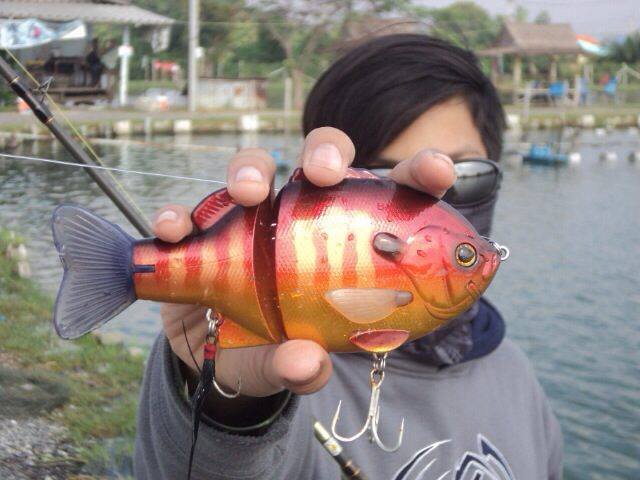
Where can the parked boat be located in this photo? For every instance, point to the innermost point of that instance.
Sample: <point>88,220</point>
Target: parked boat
<point>545,155</point>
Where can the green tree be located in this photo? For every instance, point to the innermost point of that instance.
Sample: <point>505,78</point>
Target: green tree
<point>217,20</point>
<point>305,29</point>
<point>543,18</point>
<point>521,14</point>
<point>627,51</point>
<point>465,24</point>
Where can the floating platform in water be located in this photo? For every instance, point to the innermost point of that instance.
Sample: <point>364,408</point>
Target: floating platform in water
<point>545,155</point>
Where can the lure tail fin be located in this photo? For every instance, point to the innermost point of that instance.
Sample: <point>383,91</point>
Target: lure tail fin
<point>98,271</point>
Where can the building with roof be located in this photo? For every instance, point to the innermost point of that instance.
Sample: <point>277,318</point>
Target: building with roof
<point>89,12</point>
<point>528,39</point>
<point>521,40</point>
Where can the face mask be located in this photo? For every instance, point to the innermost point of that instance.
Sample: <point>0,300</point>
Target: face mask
<point>475,191</point>
<point>480,215</point>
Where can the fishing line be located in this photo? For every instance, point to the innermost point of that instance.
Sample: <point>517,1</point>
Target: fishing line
<point>186,339</point>
<point>112,169</point>
<point>78,134</point>
<point>56,106</point>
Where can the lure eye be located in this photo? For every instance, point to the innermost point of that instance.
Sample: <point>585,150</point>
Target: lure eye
<point>466,255</point>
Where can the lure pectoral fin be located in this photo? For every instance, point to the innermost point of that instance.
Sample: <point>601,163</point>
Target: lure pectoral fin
<point>367,305</point>
<point>97,282</point>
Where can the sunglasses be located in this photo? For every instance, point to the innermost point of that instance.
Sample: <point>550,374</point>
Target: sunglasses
<point>477,180</point>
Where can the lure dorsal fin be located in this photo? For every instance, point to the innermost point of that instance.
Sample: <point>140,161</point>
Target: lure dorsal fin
<point>298,174</point>
<point>212,208</point>
<point>233,335</point>
<point>360,173</point>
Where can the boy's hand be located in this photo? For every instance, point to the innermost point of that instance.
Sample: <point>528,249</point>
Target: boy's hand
<point>301,366</point>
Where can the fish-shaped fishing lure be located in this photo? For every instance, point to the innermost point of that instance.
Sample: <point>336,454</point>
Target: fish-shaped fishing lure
<point>364,265</point>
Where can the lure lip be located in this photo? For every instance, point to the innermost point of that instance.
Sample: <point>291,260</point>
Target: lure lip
<point>379,340</point>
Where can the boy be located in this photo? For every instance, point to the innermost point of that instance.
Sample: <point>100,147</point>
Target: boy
<point>472,405</point>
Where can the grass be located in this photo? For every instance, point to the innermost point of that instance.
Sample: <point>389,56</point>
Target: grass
<point>102,380</point>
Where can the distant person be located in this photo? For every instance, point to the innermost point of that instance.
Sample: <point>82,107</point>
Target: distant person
<point>604,79</point>
<point>50,63</point>
<point>610,89</point>
<point>94,64</point>
<point>584,90</point>
<point>413,105</point>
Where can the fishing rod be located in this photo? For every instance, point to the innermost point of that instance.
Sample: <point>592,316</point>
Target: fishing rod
<point>347,466</point>
<point>107,183</point>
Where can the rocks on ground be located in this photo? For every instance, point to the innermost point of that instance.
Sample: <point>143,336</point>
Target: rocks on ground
<point>31,446</point>
<point>35,449</point>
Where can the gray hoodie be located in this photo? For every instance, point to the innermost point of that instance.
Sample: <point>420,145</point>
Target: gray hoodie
<point>485,418</point>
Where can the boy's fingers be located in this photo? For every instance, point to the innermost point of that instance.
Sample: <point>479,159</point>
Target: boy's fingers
<point>428,171</point>
<point>326,155</point>
<point>172,223</point>
<point>249,176</point>
<point>301,366</point>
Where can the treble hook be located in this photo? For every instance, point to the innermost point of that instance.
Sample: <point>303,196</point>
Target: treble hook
<point>373,416</point>
<point>212,339</point>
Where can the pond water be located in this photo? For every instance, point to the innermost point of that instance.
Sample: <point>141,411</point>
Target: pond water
<point>570,292</point>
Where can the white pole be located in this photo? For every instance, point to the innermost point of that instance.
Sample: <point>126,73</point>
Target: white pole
<point>288,100</point>
<point>194,13</point>
<point>124,65</point>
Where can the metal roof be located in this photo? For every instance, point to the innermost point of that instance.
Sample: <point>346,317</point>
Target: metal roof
<point>109,11</point>
<point>534,39</point>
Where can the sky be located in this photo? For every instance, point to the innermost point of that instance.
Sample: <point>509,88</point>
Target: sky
<point>604,19</point>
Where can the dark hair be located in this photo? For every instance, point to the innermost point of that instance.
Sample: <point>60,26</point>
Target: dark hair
<point>379,88</point>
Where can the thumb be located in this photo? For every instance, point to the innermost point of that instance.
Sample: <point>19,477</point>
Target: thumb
<point>172,223</point>
<point>301,366</point>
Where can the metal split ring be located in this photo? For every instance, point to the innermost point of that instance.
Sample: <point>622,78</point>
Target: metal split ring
<point>502,250</point>
<point>214,322</point>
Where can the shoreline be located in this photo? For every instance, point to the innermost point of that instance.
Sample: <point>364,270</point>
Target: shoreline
<point>94,123</point>
<point>70,407</point>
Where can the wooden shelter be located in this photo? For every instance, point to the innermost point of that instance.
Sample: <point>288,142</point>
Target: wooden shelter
<point>90,11</point>
<point>532,39</point>
<point>118,12</point>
